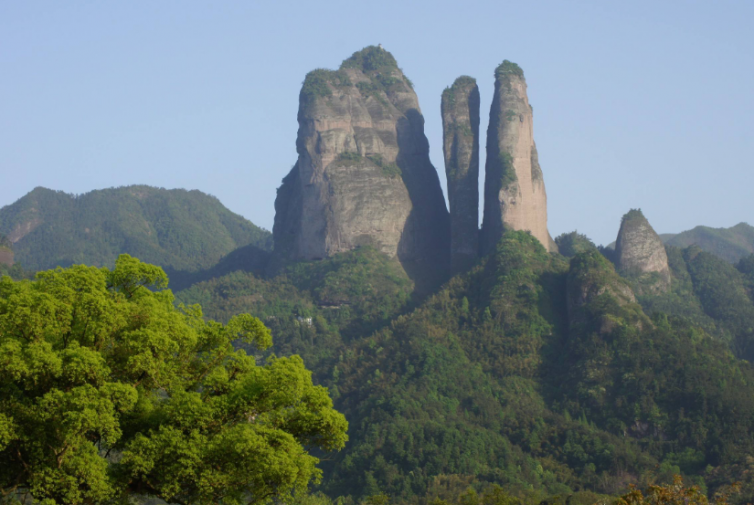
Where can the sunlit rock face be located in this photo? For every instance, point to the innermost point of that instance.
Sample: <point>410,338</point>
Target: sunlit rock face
<point>363,175</point>
<point>640,254</point>
<point>514,188</point>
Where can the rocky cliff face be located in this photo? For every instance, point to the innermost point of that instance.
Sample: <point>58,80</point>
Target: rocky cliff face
<point>514,189</point>
<point>363,175</point>
<point>460,125</point>
<point>640,254</point>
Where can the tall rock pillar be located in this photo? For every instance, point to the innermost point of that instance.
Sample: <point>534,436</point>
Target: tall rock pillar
<point>514,189</point>
<point>363,175</point>
<point>640,254</point>
<point>460,124</point>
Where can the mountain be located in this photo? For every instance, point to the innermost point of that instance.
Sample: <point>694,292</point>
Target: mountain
<point>731,244</point>
<point>514,187</point>
<point>176,229</point>
<point>363,175</point>
<point>460,132</point>
<point>543,375</point>
<point>639,253</point>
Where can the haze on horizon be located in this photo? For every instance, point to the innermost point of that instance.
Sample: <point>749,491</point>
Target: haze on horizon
<point>636,105</point>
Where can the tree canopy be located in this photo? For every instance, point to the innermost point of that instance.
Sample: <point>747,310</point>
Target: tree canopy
<point>107,390</point>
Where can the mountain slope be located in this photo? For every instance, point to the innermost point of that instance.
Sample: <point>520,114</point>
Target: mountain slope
<point>177,229</point>
<point>731,244</point>
<point>530,372</point>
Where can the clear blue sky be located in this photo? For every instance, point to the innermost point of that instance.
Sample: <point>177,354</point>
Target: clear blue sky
<point>637,104</point>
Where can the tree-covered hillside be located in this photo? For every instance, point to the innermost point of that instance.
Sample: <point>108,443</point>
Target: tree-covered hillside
<point>532,372</point>
<point>176,229</point>
<point>731,244</point>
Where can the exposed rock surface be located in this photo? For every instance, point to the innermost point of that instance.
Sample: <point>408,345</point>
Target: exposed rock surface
<point>6,251</point>
<point>460,125</point>
<point>514,189</point>
<point>640,253</point>
<point>363,175</point>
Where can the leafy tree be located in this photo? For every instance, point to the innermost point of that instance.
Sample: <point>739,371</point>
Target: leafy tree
<point>108,390</point>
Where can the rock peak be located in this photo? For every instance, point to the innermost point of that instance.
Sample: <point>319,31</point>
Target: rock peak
<point>640,253</point>
<point>514,188</point>
<point>460,123</point>
<point>363,175</point>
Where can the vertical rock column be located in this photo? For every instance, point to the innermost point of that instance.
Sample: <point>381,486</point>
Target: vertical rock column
<point>363,175</point>
<point>460,124</point>
<point>514,189</point>
<point>640,254</point>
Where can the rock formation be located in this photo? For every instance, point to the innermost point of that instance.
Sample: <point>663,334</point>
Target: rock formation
<point>6,251</point>
<point>363,175</point>
<point>460,131</point>
<point>640,253</point>
<point>514,189</point>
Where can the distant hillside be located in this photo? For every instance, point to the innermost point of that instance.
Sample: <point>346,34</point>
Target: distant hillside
<point>177,229</point>
<point>731,244</point>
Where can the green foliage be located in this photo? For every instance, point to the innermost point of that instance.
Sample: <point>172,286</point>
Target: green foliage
<point>389,169</point>
<point>573,243</point>
<point>449,93</point>
<point>371,59</point>
<point>508,172</point>
<point>317,83</point>
<point>372,90</point>
<point>730,244</point>
<point>5,242</point>
<point>508,68</point>
<point>182,230</point>
<point>106,389</point>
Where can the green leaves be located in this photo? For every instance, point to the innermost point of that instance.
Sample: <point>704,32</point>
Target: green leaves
<point>107,389</point>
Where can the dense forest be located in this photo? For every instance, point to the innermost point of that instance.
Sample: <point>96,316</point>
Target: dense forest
<point>510,375</point>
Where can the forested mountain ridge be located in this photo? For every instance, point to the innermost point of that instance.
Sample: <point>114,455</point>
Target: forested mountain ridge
<point>529,371</point>
<point>176,229</point>
<point>732,244</point>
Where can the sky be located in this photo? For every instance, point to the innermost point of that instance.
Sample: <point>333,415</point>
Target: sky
<point>639,104</point>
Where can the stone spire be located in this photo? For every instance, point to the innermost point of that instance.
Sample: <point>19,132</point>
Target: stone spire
<point>640,254</point>
<point>363,175</point>
<point>514,189</point>
<point>460,122</point>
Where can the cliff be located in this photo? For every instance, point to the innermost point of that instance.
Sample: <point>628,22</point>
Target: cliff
<point>363,175</point>
<point>460,124</point>
<point>514,188</point>
<point>640,254</point>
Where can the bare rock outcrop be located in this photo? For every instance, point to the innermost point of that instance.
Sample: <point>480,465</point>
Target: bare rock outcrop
<point>460,123</point>
<point>640,254</point>
<point>363,175</point>
<point>514,188</point>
